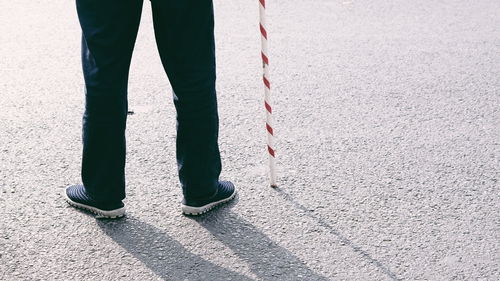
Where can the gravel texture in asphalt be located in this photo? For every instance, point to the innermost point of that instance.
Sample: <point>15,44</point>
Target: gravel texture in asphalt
<point>388,148</point>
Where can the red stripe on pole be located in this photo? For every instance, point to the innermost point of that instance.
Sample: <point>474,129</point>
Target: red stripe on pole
<point>263,31</point>
<point>266,82</point>
<point>271,151</point>
<point>268,107</point>
<point>265,59</point>
<point>269,129</point>
<point>263,3</point>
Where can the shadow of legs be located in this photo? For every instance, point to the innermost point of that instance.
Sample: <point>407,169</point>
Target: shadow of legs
<point>265,258</point>
<point>162,254</point>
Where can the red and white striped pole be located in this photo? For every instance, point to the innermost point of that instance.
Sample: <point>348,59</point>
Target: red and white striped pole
<point>267,95</point>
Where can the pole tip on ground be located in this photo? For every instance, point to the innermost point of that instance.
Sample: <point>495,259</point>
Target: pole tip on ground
<point>274,185</point>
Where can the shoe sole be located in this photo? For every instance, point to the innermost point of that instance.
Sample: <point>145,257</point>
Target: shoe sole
<point>196,211</point>
<point>100,214</point>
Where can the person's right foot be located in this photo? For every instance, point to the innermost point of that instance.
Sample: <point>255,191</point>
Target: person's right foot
<point>225,193</point>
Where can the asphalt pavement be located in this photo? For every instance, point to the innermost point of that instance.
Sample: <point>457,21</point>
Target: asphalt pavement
<point>388,148</point>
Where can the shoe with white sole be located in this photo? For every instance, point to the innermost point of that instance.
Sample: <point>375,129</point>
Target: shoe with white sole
<point>225,193</point>
<point>77,197</point>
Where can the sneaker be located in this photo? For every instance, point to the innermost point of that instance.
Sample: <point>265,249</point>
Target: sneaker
<point>225,193</point>
<point>77,197</point>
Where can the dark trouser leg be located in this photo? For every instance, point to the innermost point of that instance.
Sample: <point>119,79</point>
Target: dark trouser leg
<point>109,31</point>
<point>185,36</point>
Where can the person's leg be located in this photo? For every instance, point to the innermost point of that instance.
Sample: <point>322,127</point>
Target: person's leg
<point>109,32</point>
<point>185,37</point>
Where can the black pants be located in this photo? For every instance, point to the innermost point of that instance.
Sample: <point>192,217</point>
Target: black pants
<point>185,40</point>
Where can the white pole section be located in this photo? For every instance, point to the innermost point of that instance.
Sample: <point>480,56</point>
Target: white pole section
<point>267,95</point>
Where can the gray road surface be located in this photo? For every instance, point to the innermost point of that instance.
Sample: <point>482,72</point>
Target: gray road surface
<point>388,127</point>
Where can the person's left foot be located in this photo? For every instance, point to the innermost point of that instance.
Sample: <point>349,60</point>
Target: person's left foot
<point>77,197</point>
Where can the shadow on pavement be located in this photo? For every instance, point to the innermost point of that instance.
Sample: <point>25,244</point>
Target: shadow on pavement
<point>341,237</point>
<point>265,258</point>
<point>161,253</point>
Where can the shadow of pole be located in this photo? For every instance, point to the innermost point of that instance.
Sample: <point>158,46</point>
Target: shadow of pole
<point>341,237</point>
<point>162,254</point>
<point>265,258</point>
